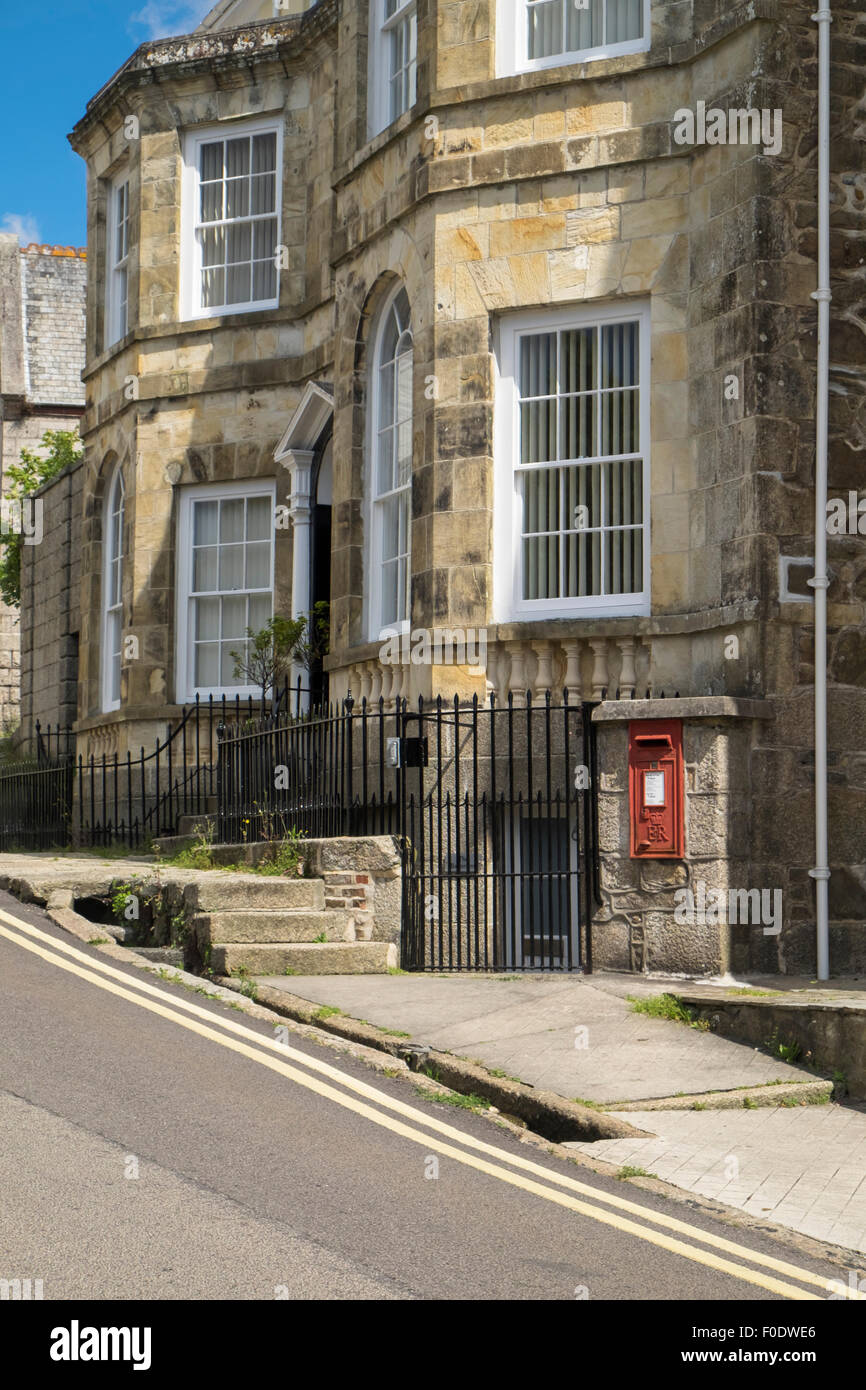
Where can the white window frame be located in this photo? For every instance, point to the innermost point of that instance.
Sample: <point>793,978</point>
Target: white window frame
<point>191,253</point>
<point>376,630</point>
<point>116,306</point>
<point>185,687</point>
<point>508,602</point>
<point>112,613</point>
<point>511,45</point>
<point>381,114</point>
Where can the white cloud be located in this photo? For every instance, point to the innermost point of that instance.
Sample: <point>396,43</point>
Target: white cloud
<point>163,18</point>
<point>24,226</point>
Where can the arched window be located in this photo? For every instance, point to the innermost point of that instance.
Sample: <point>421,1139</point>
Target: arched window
<point>112,593</point>
<point>390,473</point>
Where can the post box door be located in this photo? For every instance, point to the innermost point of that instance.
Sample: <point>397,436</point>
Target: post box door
<point>656,789</point>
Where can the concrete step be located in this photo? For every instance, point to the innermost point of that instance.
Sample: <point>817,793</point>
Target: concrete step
<point>255,925</point>
<point>240,892</point>
<point>189,825</point>
<point>327,958</point>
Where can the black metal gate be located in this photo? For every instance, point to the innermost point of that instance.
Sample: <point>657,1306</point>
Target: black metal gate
<point>499,830</point>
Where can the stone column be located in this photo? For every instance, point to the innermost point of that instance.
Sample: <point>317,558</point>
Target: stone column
<point>299,463</point>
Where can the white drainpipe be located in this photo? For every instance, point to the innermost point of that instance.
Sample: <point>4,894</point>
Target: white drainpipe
<point>821,871</point>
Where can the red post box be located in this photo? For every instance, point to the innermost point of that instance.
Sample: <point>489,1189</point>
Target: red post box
<point>656,788</point>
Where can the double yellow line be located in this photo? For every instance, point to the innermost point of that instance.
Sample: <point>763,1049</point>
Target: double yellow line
<point>432,1133</point>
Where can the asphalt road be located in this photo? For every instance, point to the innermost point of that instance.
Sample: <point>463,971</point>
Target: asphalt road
<point>150,1152</point>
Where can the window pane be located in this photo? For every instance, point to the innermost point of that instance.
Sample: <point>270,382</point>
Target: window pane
<point>391,528</point>
<point>231,567</point>
<point>624,492</point>
<point>264,280</point>
<point>204,569</point>
<point>624,561</point>
<point>385,468</point>
<point>260,516</point>
<point>541,500</point>
<point>237,198</point>
<point>577,368</point>
<point>265,239</point>
<point>264,194</point>
<point>258,565</point>
<point>538,365</point>
<point>541,567</point>
<point>234,618</point>
<point>264,152</point>
<point>538,431</point>
<point>619,354</point>
<point>213,288</point>
<point>619,422</point>
<point>206,664</point>
<point>211,202</point>
<point>260,611</point>
<point>211,160</point>
<point>578,435</point>
<point>213,246</point>
<point>386,395</point>
<point>582,497</point>
<point>403,439</point>
<point>232,520</point>
<point>238,281</point>
<point>585,28</point>
<point>390,589</point>
<point>207,619</point>
<point>237,157</point>
<point>624,20</point>
<point>404,382</point>
<point>115,626</point>
<point>227,662</point>
<point>239,242</point>
<point>545,28</point>
<point>583,565</point>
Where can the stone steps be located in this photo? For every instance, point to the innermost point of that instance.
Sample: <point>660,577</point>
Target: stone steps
<point>242,892</point>
<point>306,958</point>
<point>254,925</point>
<point>248,924</point>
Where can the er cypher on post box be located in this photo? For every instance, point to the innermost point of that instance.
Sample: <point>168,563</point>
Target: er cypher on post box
<point>656,788</point>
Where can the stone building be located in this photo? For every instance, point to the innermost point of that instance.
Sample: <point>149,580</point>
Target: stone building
<point>42,293</point>
<point>521,355</point>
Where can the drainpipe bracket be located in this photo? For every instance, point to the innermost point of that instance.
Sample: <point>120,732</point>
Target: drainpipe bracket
<point>822,17</point>
<point>823,295</point>
<point>823,874</point>
<point>819,581</point>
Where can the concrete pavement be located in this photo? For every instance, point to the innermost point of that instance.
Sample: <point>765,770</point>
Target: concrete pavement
<point>803,1167</point>
<point>574,1035</point>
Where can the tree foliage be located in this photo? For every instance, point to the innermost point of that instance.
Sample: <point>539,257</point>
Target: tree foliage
<point>59,449</point>
<point>268,654</point>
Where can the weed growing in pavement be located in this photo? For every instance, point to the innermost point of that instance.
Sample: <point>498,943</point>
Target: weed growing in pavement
<point>669,1007</point>
<point>467,1102</point>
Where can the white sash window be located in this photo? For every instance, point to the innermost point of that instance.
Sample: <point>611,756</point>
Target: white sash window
<point>232,200</point>
<point>392,85</point>
<point>112,593</point>
<point>390,472</point>
<point>225,582</point>
<point>550,33</point>
<point>572,446</point>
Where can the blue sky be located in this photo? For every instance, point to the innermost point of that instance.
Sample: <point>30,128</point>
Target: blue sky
<point>56,58</point>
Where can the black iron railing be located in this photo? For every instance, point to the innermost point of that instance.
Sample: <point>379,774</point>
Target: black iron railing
<point>492,805</point>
